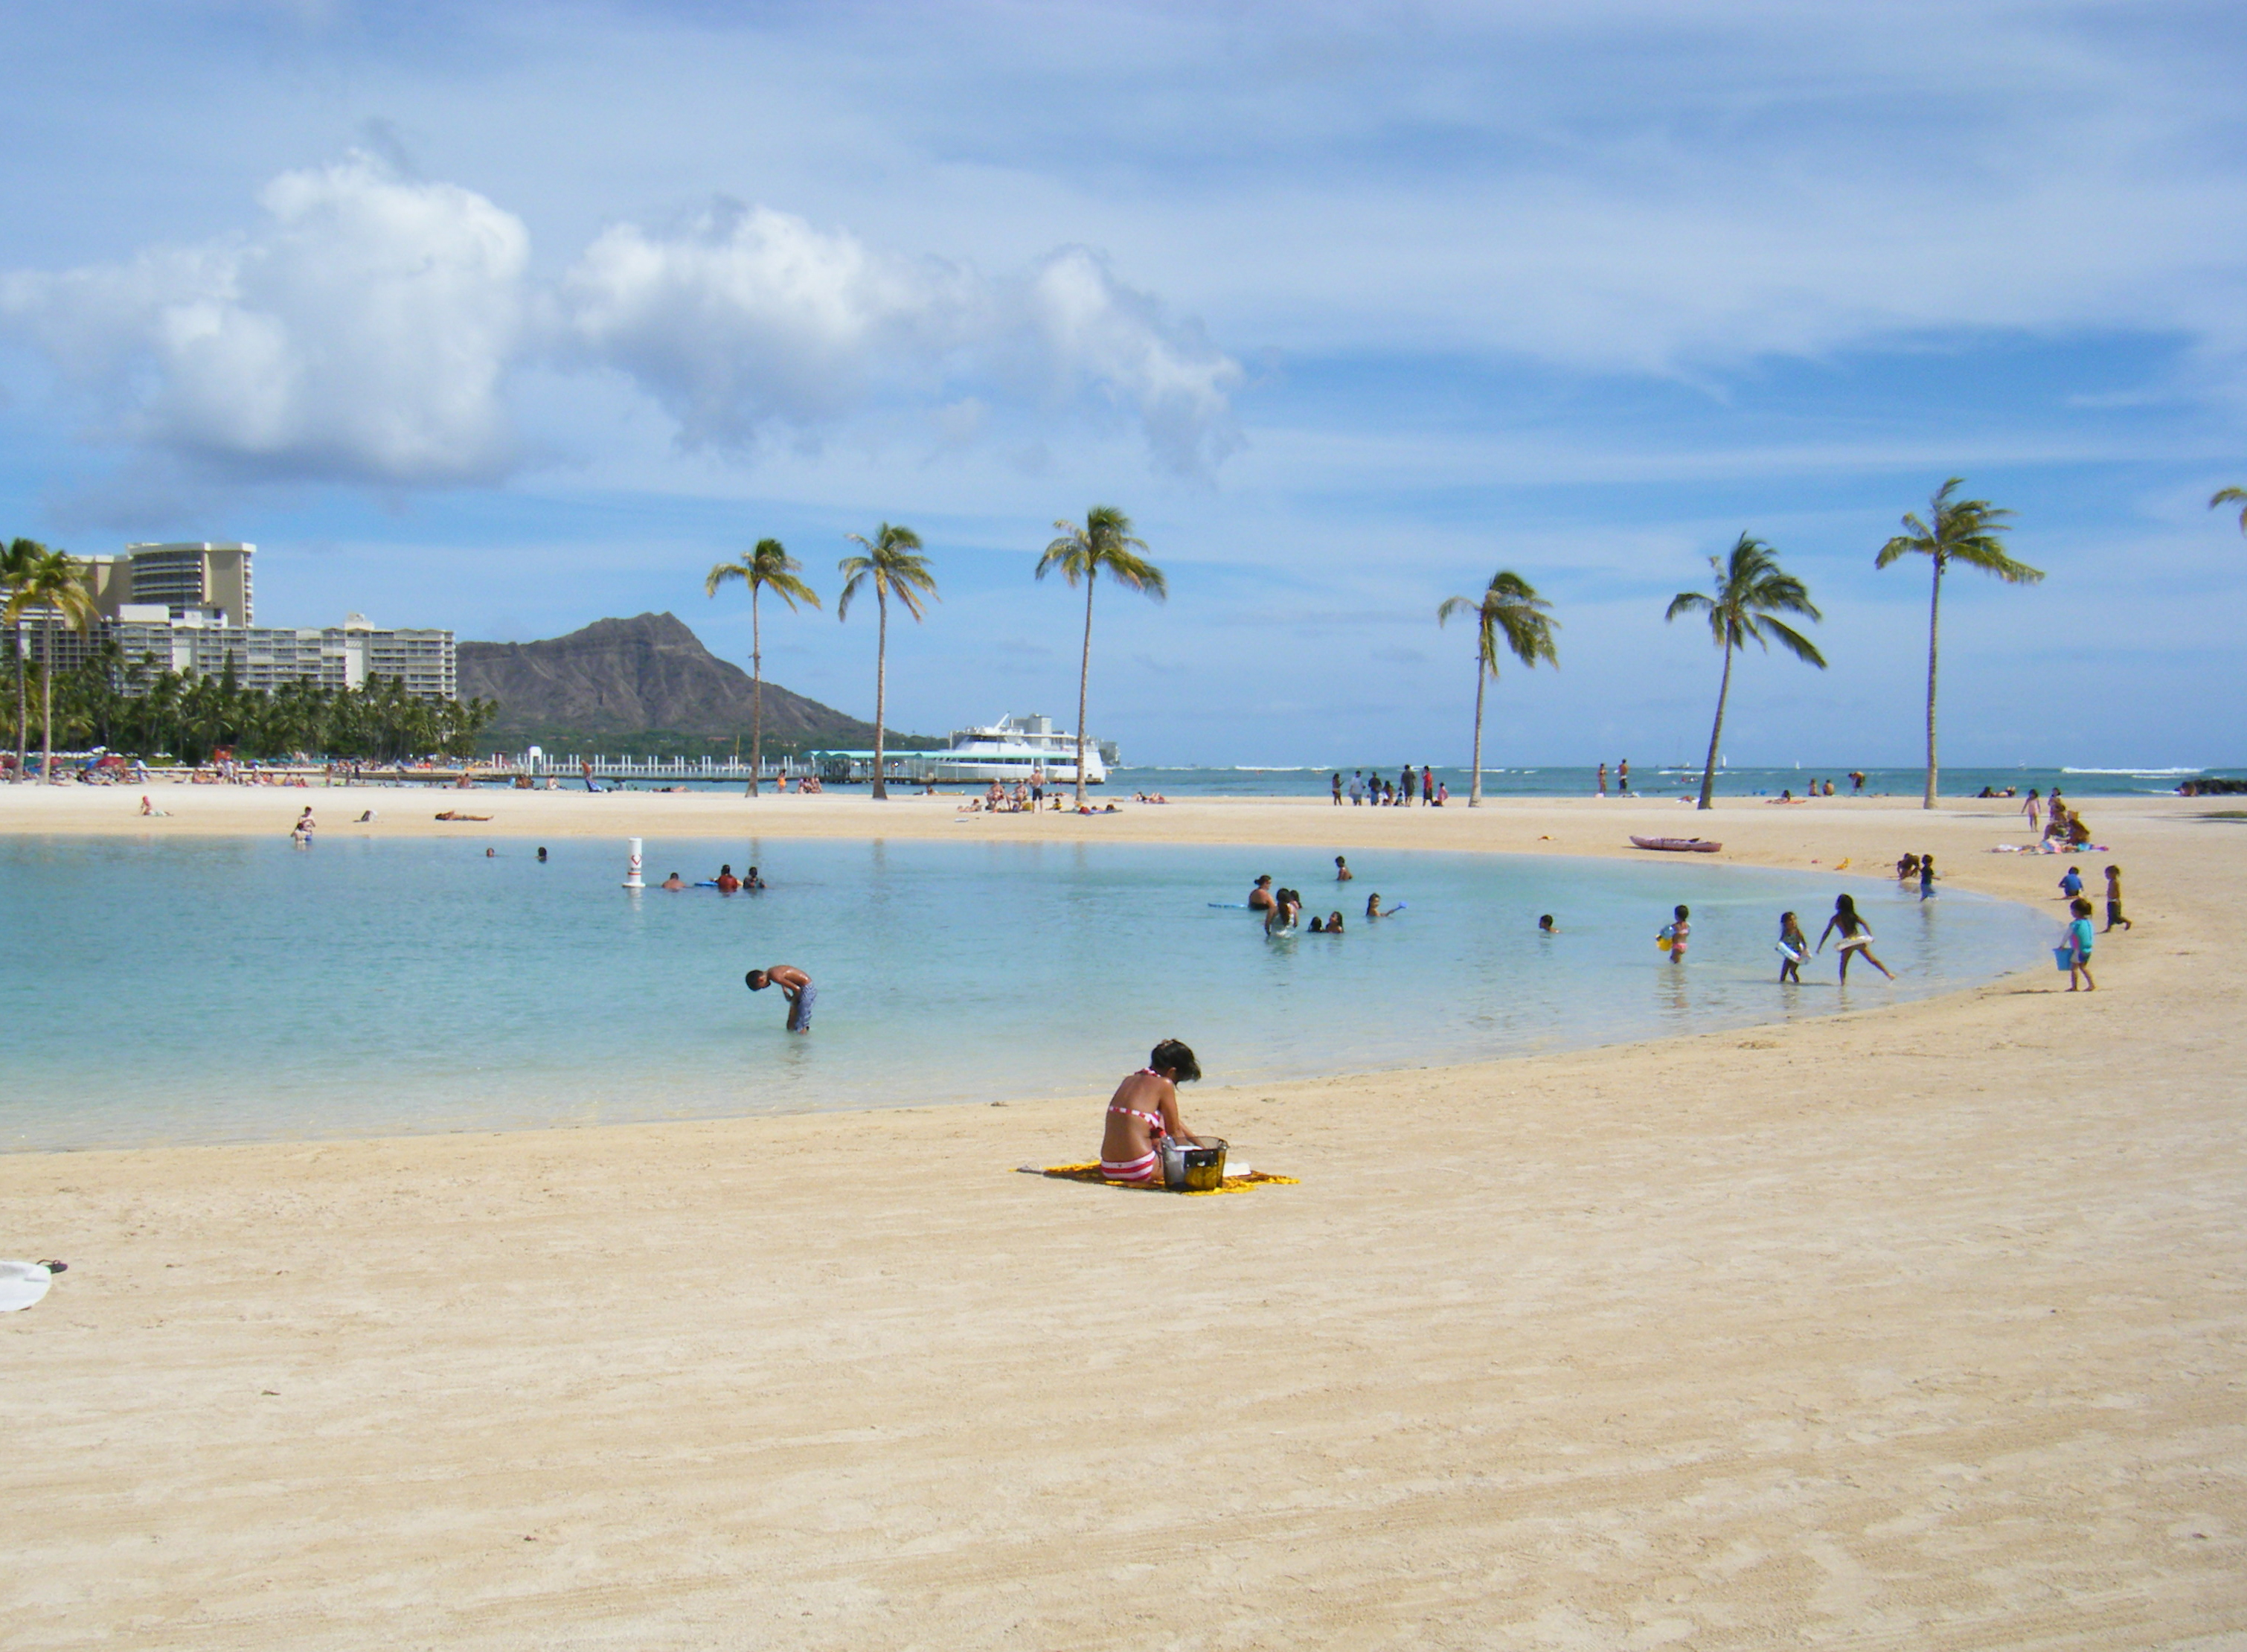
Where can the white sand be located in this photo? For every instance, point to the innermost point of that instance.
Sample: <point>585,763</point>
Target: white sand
<point>1918,1327</point>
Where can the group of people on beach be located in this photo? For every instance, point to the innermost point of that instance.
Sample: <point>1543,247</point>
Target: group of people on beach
<point>1391,794</point>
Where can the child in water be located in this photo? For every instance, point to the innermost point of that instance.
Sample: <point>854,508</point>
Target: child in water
<point>1857,936</point>
<point>1545,924</point>
<point>1677,931</point>
<point>1793,947</point>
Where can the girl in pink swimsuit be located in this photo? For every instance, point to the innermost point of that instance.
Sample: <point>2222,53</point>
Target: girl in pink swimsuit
<point>1143,1110</point>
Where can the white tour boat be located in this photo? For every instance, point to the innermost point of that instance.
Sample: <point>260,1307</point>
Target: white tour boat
<point>1012,747</point>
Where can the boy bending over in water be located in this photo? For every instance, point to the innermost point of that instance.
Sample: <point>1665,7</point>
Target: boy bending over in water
<point>1143,1110</point>
<point>795,984</point>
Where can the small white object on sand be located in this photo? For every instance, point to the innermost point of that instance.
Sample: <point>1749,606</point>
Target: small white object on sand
<point>23,1283</point>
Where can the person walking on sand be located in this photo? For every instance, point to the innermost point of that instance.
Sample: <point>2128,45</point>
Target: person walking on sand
<point>2114,900</point>
<point>1144,1111</point>
<point>795,985</point>
<point>1603,777</point>
<point>2076,939</point>
<point>1337,789</point>
<point>2030,809</point>
<point>1427,787</point>
<point>1622,778</point>
<point>1857,936</point>
<point>1357,789</point>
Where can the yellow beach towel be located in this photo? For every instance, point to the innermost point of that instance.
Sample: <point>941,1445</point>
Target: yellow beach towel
<point>1233,1184</point>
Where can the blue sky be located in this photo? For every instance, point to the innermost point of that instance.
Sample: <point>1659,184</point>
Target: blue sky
<point>508,318</point>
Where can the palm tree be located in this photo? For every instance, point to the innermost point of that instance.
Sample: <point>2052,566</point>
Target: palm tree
<point>1510,609</point>
<point>769,565</point>
<point>15,563</point>
<point>1751,590</point>
<point>894,567</point>
<point>54,584</point>
<point>1105,541</point>
<point>2232,496</point>
<point>1967,530</point>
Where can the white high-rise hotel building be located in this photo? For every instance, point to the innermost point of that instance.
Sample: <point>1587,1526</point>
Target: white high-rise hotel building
<point>189,607</point>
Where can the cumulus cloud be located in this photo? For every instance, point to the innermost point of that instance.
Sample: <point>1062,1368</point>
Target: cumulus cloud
<point>362,333</point>
<point>743,321</point>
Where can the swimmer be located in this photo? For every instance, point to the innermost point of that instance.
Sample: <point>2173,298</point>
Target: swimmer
<point>752,881</point>
<point>491,854</point>
<point>672,882</point>
<point>1144,1111</point>
<point>1373,905</point>
<point>542,858</point>
<point>726,882</point>
<point>1334,922</point>
<point>795,984</point>
<point>1545,926</point>
<point>1677,931</point>
<point>1318,926</point>
<point>1342,873</point>
<point>1857,936</point>
<point>1260,897</point>
<point>1280,916</point>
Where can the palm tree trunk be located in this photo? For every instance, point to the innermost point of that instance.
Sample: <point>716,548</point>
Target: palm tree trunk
<point>757,681</point>
<point>1083,682</point>
<point>47,698</point>
<point>1717,733</point>
<point>23,722</point>
<point>1933,616</point>
<point>1482,680</point>
<point>881,684</point>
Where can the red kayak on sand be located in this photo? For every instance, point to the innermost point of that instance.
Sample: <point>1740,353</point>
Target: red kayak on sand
<point>1684,845</point>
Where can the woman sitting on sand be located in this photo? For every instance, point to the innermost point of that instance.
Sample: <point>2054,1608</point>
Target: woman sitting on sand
<point>1143,1110</point>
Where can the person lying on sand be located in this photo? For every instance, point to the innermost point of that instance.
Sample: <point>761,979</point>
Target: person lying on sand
<point>451,815</point>
<point>1143,1110</point>
<point>795,985</point>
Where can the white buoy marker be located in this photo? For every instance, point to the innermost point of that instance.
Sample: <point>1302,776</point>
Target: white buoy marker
<point>632,879</point>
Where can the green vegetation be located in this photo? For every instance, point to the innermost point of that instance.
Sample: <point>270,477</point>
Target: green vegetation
<point>894,567</point>
<point>126,707</point>
<point>1511,612</point>
<point>1752,590</point>
<point>769,564</point>
<point>1965,530</point>
<point>1105,543</point>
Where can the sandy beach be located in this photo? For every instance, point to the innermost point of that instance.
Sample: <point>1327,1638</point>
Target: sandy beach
<point>1916,1327</point>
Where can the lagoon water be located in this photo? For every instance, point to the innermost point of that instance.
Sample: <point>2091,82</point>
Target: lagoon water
<point>221,990</point>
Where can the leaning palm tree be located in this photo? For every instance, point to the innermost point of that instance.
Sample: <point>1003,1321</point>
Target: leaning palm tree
<point>15,563</point>
<point>54,587</point>
<point>894,567</point>
<point>769,565</point>
<point>2232,496</point>
<point>1751,591</point>
<point>1511,612</point>
<point>1105,543</point>
<point>1967,530</point>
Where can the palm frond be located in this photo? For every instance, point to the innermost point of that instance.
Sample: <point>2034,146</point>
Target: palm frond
<point>2232,496</point>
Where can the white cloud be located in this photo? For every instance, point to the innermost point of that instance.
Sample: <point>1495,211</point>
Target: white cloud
<point>747,320</point>
<point>361,334</point>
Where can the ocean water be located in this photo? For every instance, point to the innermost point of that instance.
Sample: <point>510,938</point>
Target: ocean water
<point>221,990</point>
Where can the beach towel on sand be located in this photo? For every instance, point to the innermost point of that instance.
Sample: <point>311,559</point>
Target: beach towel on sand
<point>23,1283</point>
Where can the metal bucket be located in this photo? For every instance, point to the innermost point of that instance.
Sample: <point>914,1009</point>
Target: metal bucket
<point>1192,1170</point>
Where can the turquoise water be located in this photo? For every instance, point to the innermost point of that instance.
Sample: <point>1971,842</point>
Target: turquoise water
<point>217,990</point>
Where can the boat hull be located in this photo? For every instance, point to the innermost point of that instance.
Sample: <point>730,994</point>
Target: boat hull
<point>1679,845</point>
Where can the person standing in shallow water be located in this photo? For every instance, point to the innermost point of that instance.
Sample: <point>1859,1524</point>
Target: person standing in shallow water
<point>1857,936</point>
<point>1622,777</point>
<point>795,985</point>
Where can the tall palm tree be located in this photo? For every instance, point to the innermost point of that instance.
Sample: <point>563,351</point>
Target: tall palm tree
<point>1105,543</point>
<point>894,567</point>
<point>54,586</point>
<point>1511,612</point>
<point>2232,496</point>
<point>769,564</point>
<point>1751,591</point>
<point>1965,530</point>
<point>15,563</point>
